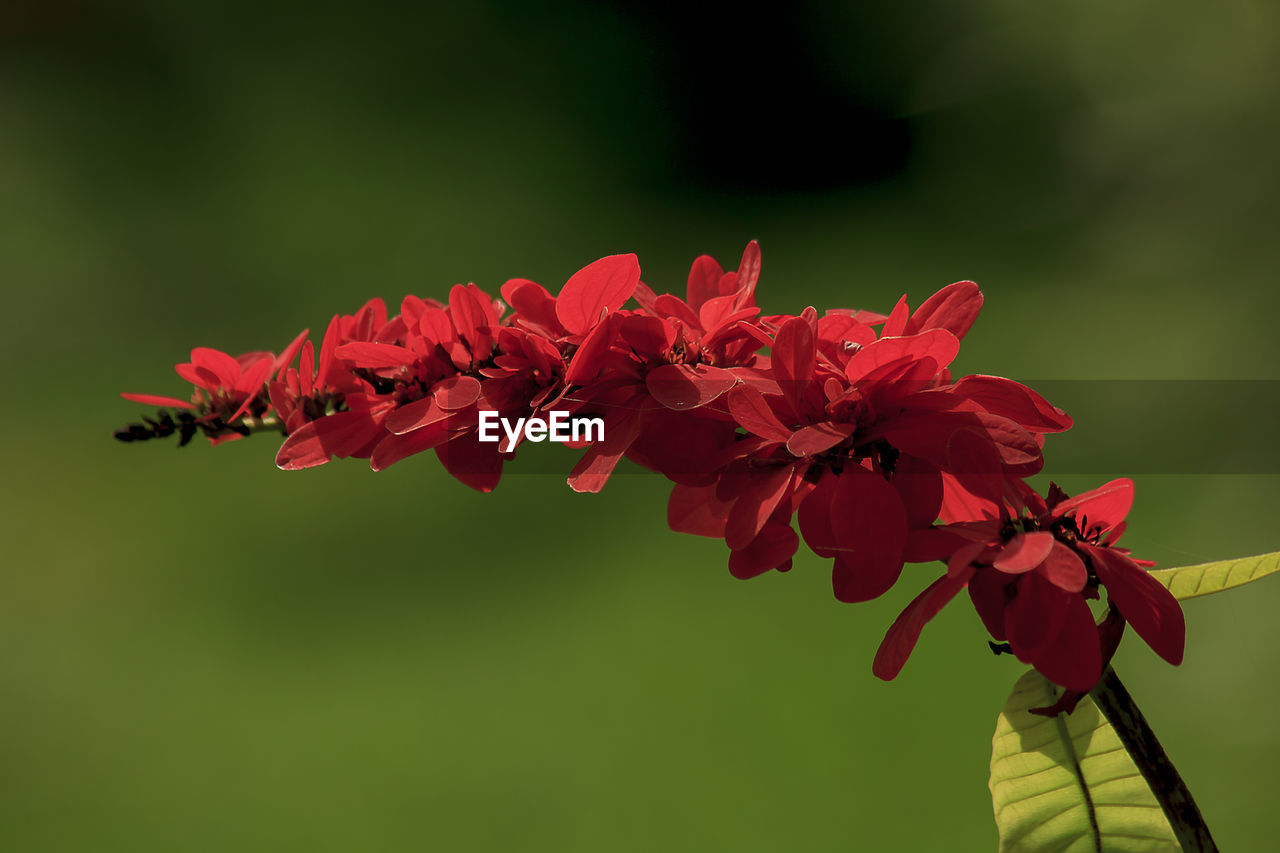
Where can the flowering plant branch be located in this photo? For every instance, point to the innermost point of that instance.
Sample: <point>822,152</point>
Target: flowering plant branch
<point>848,425</point>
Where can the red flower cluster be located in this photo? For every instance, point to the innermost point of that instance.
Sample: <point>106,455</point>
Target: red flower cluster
<point>848,423</point>
<point>1030,565</point>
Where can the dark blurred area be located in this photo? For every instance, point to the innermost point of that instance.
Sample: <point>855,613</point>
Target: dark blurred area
<point>200,652</point>
<point>749,105</point>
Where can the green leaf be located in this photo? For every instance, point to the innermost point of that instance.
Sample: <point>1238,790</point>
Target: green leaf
<point>1066,783</point>
<point>1194,581</point>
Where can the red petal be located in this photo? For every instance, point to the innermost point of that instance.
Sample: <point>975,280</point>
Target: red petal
<point>588,358</point>
<point>748,275</point>
<point>897,319</point>
<point>593,469</point>
<point>411,308</point>
<point>247,359</point>
<point>1146,605</point>
<point>1113,536</point>
<point>489,307</point>
<point>651,337</point>
<point>468,315</point>
<point>306,370</point>
<point>415,415</point>
<point>1110,631</point>
<point>792,359</point>
<point>814,516</point>
<point>286,358</point>
<point>938,344</point>
<point>766,489</point>
<point>752,412</point>
<point>251,385</point>
<point>926,433</point>
<point>328,370</point>
<point>673,306</point>
<point>989,593</point>
<point>436,327</point>
<point>973,460</point>
<point>953,308</point>
<point>217,362</point>
<point>688,386</point>
<point>317,442</point>
<point>395,447</point>
<point>282,397</point>
<point>870,528</point>
<point>772,549</point>
<point>1064,569</point>
<point>696,510</point>
<point>1073,659</point>
<point>363,354</point>
<point>456,392</point>
<point>1024,553</point>
<point>473,463</point>
<point>156,400</point>
<point>596,288</point>
<point>1016,446</point>
<point>1015,401</point>
<point>919,484</point>
<point>960,564</point>
<point>819,437</point>
<point>842,328</point>
<point>905,630</point>
<point>645,297</point>
<point>533,303</point>
<point>929,544</point>
<point>755,332</point>
<point>704,278</point>
<point>682,446</point>
<point>254,377</point>
<point>371,317</point>
<point>958,504</point>
<point>1035,616</point>
<point>1106,505</point>
<point>720,311</point>
<point>200,376</point>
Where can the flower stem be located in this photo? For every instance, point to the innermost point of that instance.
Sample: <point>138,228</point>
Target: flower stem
<point>1171,792</point>
<point>267,424</point>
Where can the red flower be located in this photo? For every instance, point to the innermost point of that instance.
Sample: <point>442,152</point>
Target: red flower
<point>852,425</point>
<point>850,431</point>
<point>226,388</point>
<point>653,374</point>
<point>422,370</point>
<point>1029,574</point>
<point>328,409</point>
<point>314,388</point>
<point>422,377</point>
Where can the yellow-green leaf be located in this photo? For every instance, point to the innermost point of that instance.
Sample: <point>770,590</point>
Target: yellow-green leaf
<point>1193,581</point>
<point>1066,783</point>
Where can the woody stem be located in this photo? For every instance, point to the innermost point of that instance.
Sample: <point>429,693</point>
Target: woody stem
<point>1175,799</point>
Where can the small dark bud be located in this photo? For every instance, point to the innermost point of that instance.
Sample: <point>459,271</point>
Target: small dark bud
<point>165,427</point>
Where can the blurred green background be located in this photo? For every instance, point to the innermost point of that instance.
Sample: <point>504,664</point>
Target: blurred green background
<point>199,652</point>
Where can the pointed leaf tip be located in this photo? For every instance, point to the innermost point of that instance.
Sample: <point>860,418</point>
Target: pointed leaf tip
<point>1205,578</point>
